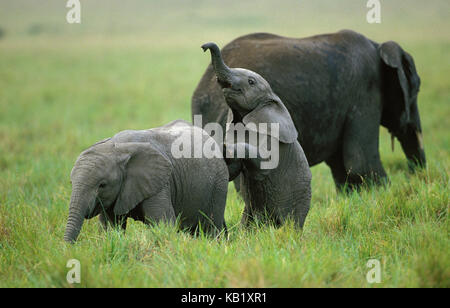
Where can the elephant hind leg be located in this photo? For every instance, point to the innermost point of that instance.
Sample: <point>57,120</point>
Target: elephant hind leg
<point>361,157</point>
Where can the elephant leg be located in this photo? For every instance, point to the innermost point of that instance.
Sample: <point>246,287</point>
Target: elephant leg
<point>252,215</point>
<point>108,218</point>
<point>216,224</point>
<point>234,166</point>
<point>247,216</point>
<point>336,164</point>
<point>158,208</point>
<point>361,156</point>
<point>248,213</point>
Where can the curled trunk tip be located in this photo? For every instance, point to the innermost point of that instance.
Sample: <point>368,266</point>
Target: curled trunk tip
<point>212,46</point>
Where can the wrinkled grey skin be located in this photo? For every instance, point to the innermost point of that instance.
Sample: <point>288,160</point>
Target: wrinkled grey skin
<point>275,194</point>
<point>339,88</point>
<point>134,174</point>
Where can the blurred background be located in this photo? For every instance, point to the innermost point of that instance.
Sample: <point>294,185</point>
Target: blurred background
<point>193,21</point>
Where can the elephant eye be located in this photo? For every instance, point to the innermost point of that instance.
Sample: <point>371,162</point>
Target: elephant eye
<point>102,185</point>
<point>251,81</point>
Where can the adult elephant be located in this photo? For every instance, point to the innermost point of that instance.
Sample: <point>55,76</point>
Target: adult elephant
<point>338,89</point>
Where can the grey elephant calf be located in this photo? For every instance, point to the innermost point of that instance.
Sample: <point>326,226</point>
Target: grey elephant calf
<point>283,190</point>
<point>135,174</point>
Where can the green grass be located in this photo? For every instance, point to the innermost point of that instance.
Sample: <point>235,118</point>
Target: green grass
<point>65,87</point>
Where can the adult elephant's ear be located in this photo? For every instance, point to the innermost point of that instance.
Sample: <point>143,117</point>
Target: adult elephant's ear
<point>146,172</point>
<point>273,111</point>
<point>401,80</point>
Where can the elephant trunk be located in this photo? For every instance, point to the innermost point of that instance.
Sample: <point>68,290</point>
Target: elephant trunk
<point>223,72</point>
<point>412,145</point>
<point>410,137</point>
<point>79,204</point>
<point>417,158</point>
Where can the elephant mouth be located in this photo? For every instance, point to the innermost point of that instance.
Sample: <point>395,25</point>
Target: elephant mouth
<point>227,86</point>
<point>96,211</point>
<point>232,96</point>
<point>224,84</point>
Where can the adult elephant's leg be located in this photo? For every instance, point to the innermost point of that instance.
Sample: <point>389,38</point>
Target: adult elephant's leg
<point>336,164</point>
<point>361,155</point>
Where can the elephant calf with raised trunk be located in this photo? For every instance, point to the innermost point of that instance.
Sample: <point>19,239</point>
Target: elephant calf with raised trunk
<point>275,191</point>
<point>135,174</point>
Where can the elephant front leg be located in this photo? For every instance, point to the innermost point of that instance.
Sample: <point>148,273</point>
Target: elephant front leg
<point>248,215</point>
<point>108,219</point>
<point>361,157</point>
<point>158,208</point>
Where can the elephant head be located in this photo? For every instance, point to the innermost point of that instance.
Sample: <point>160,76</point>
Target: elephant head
<point>113,176</point>
<point>400,111</point>
<point>251,98</point>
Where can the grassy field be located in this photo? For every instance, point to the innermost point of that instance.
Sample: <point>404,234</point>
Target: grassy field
<point>64,87</point>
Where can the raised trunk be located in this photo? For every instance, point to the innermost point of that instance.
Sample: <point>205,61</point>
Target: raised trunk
<point>223,72</point>
<point>79,204</point>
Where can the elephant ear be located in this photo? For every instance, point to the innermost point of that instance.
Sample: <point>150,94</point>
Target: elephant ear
<point>401,80</point>
<point>273,111</point>
<point>146,172</point>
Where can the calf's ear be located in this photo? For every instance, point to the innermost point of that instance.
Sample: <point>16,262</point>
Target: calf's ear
<point>146,172</point>
<point>273,111</point>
